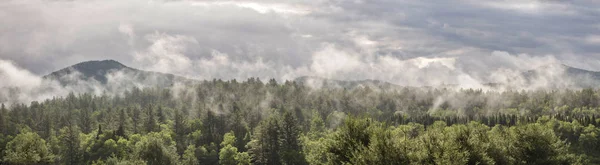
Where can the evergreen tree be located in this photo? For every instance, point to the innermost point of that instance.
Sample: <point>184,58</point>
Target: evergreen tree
<point>151,125</point>
<point>3,120</point>
<point>69,137</point>
<point>290,134</point>
<point>122,122</point>
<point>265,146</point>
<point>180,128</point>
<point>161,115</point>
<point>136,120</point>
<point>85,120</point>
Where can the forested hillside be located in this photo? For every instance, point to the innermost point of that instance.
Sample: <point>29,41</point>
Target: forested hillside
<point>251,122</point>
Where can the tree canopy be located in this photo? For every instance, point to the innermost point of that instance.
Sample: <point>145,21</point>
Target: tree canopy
<point>250,122</point>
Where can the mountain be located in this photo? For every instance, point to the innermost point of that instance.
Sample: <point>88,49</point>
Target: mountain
<point>319,82</point>
<point>560,76</point>
<point>549,76</point>
<point>115,75</point>
<point>112,73</point>
<point>581,72</point>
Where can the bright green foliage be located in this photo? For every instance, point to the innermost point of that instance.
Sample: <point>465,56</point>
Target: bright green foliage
<point>228,152</point>
<point>538,145</point>
<point>458,144</point>
<point>116,161</point>
<point>243,158</point>
<point>228,139</point>
<point>189,156</point>
<point>317,125</point>
<point>227,155</point>
<point>382,149</point>
<point>314,150</point>
<point>314,141</point>
<point>157,149</point>
<point>361,141</point>
<point>28,148</point>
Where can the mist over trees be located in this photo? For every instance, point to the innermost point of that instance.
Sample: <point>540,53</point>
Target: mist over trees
<point>255,122</point>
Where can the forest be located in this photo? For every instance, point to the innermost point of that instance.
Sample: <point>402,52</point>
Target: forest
<point>251,122</point>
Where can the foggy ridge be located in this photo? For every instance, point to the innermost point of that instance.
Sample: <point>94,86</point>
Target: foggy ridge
<point>102,71</point>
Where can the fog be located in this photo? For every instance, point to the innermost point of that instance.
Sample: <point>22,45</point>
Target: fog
<point>405,43</point>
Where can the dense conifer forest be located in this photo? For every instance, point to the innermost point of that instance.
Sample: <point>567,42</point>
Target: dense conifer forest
<point>251,122</point>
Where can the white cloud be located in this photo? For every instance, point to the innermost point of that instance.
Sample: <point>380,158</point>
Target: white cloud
<point>127,29</point>
<point>13,76</point>
<point>404,42</point>
<point>166,54</point>
<point>530,6</point>
<point>593,39</point>
<point>262,8</point>
<point>329,61</point>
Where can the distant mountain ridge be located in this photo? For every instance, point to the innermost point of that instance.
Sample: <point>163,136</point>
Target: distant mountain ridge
<point>562,75</point>
<point>577,71</point>
<point>105,70</point>
<point>101,71</point>
<point>570,76</point>
<point>320,82</point>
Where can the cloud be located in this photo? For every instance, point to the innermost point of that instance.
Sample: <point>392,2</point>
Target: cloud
<point>127,29</point>
<point>14,76</point>
<point>405,42</point>
<point>330,61</point>
<point>165,54</point>
<point>262,8</point>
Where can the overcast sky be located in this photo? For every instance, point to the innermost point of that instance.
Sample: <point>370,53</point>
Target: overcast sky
<point>402,41</point>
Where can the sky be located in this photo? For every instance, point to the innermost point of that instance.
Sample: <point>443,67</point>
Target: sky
<point>407,42</point>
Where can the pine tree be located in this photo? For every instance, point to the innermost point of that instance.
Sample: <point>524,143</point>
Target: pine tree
<point>85,120</point>
<point>122,121</point>
<point>238,127</point>
<point>289,140</point>
<point>265,147</point>
<point>210,128</point>
<point>70,141</point>
<point>161,115</point>
<point>99,132</point>
<point>3,120</point>
<point>136,120</point>
<point>180,129</point>
<point>151,125</point>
